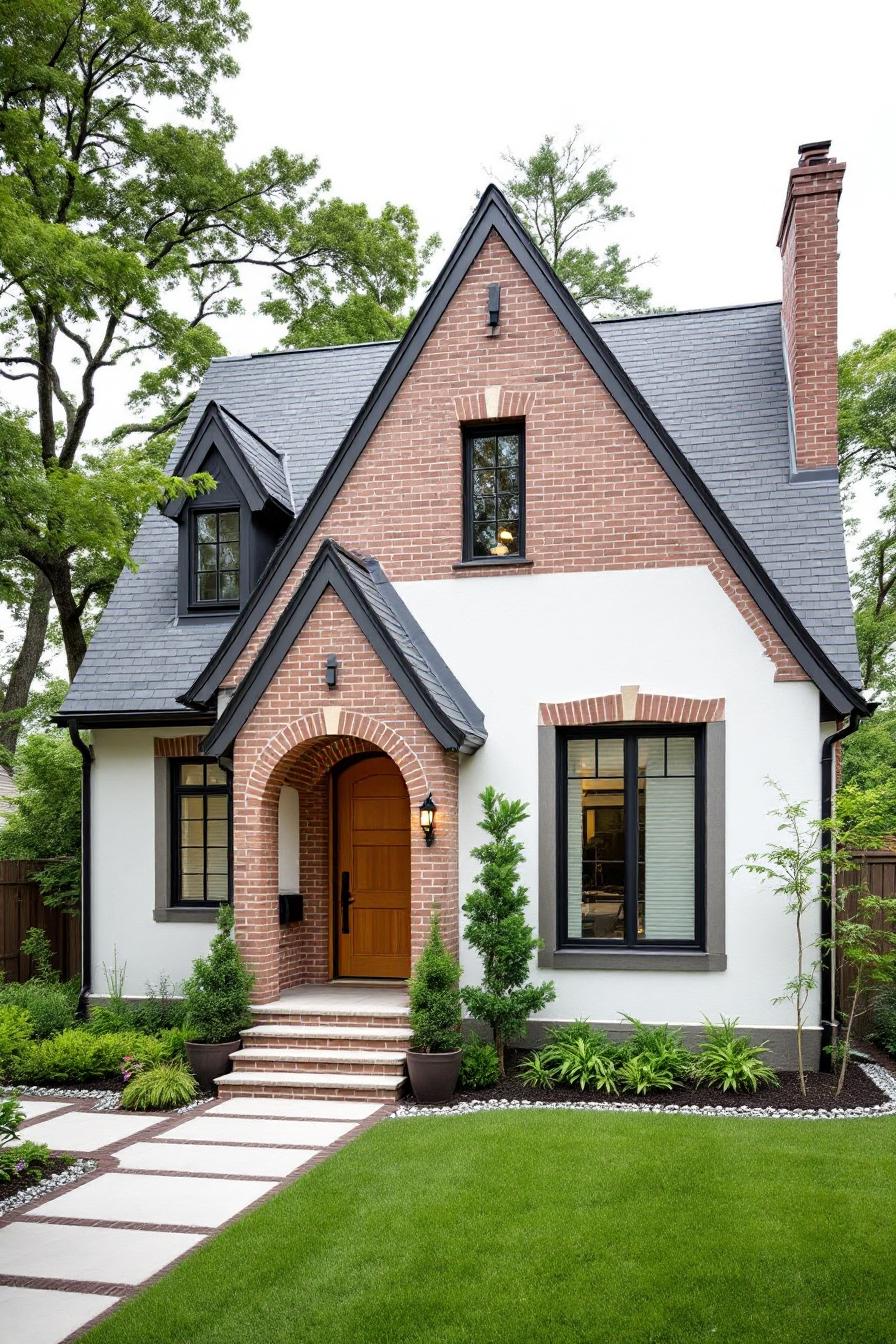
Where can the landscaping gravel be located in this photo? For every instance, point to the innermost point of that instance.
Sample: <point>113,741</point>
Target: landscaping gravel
<point>67,1174</point>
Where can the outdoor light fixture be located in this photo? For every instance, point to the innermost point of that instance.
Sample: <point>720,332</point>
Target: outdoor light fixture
<point>428,818</point>
<point>332,668</point>
<point>494,307</point>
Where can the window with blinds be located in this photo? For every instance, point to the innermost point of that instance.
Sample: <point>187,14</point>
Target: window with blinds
<point>200,797</point>
<point>632,837</point>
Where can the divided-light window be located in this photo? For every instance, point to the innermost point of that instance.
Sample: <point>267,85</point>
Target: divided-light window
<point>200,797</point>
<point>216,557</point>
<point>631,838</point>
<point>494,491</point>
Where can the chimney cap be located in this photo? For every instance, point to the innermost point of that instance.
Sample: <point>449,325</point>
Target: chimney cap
<point>815,151</point>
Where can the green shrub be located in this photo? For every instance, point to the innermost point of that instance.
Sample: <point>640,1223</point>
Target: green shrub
<point>731,1062</point>
<point>36,945</point>
<point>159,1088</point>
<point>662,1046</point>
<point>643,1073</point>
<point>569,1034</point>
<point>217,993</point>
<point>580,1061</point>
<point>535,1071</point>
<point>479,1065</point>
<point>883,1018</point>
<point>31,1160</point>
<point>78,1056</point>
<point>11,1117</point>
<point>434,992</point>
<point>108,1017</point>
<point>160,1010</point>
<point>51,1006</point>
<point>16,1035</point>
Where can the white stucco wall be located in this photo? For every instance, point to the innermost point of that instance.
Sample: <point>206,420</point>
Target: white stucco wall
<point>514,642</point>
<point>123,862</point>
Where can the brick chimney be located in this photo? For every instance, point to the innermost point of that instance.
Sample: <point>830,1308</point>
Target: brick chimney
<point>808,243</point>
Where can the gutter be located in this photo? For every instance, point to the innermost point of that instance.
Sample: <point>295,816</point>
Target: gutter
<point>86,940</point>
<point>828,923</point>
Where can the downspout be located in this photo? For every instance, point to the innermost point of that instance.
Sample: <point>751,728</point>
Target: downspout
<point>86,948</point>
<point>828,959</point>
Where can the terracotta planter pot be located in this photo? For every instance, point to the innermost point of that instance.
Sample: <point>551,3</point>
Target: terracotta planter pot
<point>433,1075</point>
<point>209,1060</point>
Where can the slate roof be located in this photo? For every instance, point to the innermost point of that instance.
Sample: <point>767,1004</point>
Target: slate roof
<point>267,464</point>
<point>715,379</point>
<point>430,686</point>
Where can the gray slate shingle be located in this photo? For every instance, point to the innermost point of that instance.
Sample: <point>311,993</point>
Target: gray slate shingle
<point>715,379</point>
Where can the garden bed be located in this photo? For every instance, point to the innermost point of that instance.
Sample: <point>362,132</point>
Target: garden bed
<point>860,1091</point>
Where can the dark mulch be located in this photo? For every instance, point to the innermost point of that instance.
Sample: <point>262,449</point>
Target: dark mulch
<point>858,1090</point>
<point>58,1162</point>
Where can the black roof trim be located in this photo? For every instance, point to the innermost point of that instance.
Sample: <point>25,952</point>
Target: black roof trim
<point>140,718</point>
<point>493,212</point>
<point>687,312</point>
<point>213,431</point>
<point>333,567</point>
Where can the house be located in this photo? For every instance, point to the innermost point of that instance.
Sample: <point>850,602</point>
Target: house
<point>599,565</point>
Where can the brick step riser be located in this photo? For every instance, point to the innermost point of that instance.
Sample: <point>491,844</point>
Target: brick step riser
<point>323,1043</point>
<point>347,1067</point>
<point>306,1092</point>
<point>325,1020</point>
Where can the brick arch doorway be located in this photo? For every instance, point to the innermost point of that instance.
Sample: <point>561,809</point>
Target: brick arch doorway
<point>372,869</point>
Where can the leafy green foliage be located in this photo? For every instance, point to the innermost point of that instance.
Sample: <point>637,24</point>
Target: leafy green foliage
<point>16,1035</point>
<point>77,1055</point>
<point>159,1088</point>
<point>643,1073</point>
<point>11,1116</point>
<point>563,194</point>
<point>496,927</point>
<point>50,1007</point>
<point>867,416</point>
<point>865,944</point>
<point>45,818</point>
<point>38,947</point>
<point>478,1065</point>
<point>536,1071</point>
<point>580,1062</point>
<point>883,1018</point>
<point>731,1062</point>
<point>435,996</point>
<point>27,1161</point>
<point>661,1048</point>
<point>217,992</point>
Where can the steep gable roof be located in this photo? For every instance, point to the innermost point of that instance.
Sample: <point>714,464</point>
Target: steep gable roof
<point>430,687</point>
<point>255,466</point>
<point>494,213</point>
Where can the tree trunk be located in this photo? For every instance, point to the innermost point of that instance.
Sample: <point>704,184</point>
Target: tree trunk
<point>69,616</point>
<point>24,669</point>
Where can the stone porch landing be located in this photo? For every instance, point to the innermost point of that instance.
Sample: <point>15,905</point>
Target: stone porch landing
<point>346,1039</point>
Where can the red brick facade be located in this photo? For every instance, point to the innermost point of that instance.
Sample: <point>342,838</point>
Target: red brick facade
<point>640,709</point>
<point>297,732</point>
<point>808,243</point>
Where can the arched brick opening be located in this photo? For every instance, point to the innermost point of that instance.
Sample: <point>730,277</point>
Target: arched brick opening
<point>302,755</point>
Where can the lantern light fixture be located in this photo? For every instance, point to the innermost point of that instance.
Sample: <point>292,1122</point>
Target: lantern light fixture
<point>428,819</point>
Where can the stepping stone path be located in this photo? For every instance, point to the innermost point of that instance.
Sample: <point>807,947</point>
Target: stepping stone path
<point>162,1185</point>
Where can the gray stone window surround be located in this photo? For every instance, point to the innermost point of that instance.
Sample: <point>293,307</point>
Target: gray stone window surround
<point>552,957</point>
<point>164,911</point>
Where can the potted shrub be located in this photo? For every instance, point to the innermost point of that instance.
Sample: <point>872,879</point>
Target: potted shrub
<point>435,1053</point>
<point>216,998</point>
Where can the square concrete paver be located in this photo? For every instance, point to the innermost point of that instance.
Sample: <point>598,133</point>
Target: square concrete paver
<point>33,1109</point>
<point>46,1316</point>
<point>284,1108</point>
<point>213,1128</point>
<point>88,1254</point>
<point>214,1159</point>
<point>87,1131</point>
<point>178,1201</point>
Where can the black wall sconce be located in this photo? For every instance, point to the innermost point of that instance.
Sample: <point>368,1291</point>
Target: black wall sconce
<point>332,670</point>
<point>428,819</point>
<point>494,308</point>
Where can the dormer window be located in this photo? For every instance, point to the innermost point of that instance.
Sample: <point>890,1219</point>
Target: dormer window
<point>216,557</point>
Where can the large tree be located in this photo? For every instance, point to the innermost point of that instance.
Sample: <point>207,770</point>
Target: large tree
<point>125,229</point>
<point>868,410</point>
<point>564,195</point>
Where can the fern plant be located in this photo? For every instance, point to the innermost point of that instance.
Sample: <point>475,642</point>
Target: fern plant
<point>159,1088</point>
<point>731,1062</point>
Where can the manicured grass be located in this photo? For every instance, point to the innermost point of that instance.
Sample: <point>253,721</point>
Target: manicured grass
<point>555,1226</point>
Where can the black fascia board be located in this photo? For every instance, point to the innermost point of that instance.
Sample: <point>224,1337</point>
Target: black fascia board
<point>213,432</point>
<point>493,212</point>
<point>138,718</point>
<point>327,570</point>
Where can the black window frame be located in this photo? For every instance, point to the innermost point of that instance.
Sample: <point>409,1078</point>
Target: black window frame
<point>178,790</point>
<point>630,734</point>
<point>196,602</point>
<point>492,428</point>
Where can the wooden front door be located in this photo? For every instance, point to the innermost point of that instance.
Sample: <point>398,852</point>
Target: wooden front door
<point>373,871</point>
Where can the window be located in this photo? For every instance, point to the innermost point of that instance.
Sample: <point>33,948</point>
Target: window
<point>494,493</point>
<point>200,796</point>
<point>216,556</point>
<point>631,803</point>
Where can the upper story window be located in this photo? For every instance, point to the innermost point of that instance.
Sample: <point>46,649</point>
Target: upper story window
<point>216,557</point>
<point>631,807</point>
<point>200,797</point>
<point>494,491</point>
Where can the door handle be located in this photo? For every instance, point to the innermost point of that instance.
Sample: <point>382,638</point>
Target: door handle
<point>346,899</point>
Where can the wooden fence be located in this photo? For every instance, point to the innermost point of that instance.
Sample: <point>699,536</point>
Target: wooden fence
<point>21,909</point>
<point>875,871</point>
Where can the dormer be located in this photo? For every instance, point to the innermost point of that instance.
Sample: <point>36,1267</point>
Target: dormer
<point>226,537</point>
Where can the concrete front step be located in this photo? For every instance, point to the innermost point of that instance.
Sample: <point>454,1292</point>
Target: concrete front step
<point>296,1084</point>
<point>327,1037</point>
<point>327,1061</point>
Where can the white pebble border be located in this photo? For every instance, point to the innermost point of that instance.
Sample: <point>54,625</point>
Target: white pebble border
<point>105,1099</point>
<point>82,1167</point>
<point>885,1080</point>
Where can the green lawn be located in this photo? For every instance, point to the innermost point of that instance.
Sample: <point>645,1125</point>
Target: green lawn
<point>556,1226</point>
